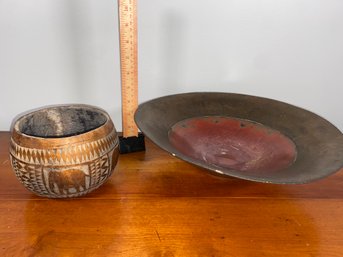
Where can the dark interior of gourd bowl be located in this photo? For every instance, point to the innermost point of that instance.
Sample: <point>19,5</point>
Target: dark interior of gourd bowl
<point>61,121</point>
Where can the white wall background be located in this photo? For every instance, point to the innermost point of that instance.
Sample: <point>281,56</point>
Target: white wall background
<point>66,51</point>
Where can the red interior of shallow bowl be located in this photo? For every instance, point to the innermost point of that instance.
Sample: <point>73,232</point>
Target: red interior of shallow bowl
<point>233,143</point>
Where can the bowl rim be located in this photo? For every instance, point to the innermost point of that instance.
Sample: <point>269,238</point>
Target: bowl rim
<point>26,140</point>
<point>146,129</point>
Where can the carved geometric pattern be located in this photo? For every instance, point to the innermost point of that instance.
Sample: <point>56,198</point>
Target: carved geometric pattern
<point>75,154</point>
<point>101,169</point>
<point>30,175</point>
<point>65,172</point>
<point>47,181</point>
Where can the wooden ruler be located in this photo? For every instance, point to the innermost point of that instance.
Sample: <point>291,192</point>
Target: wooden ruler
<point>128,64</point>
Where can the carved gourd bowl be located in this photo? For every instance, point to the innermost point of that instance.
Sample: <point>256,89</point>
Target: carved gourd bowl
<point>64,151</point>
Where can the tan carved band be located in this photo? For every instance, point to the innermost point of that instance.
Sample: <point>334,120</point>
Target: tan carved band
<point>75,154</point>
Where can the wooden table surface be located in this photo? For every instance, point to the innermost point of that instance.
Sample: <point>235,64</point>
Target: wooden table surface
<point>157,205</point>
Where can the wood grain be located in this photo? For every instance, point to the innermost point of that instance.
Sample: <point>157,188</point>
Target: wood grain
<point>156,205</point>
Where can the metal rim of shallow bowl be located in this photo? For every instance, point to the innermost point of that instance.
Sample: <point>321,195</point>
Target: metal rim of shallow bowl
<point>319,143</point>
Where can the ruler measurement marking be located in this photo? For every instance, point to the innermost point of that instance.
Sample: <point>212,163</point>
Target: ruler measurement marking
<point>129,63</point>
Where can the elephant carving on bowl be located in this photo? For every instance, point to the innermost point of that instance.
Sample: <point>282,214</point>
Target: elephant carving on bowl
<point>67,180</point>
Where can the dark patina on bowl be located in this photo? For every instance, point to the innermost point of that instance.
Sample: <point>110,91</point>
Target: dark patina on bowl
<point>244,136</point>
<point>64,151</point>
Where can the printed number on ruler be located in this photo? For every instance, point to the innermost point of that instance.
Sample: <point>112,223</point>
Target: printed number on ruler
<point>128,64</point>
